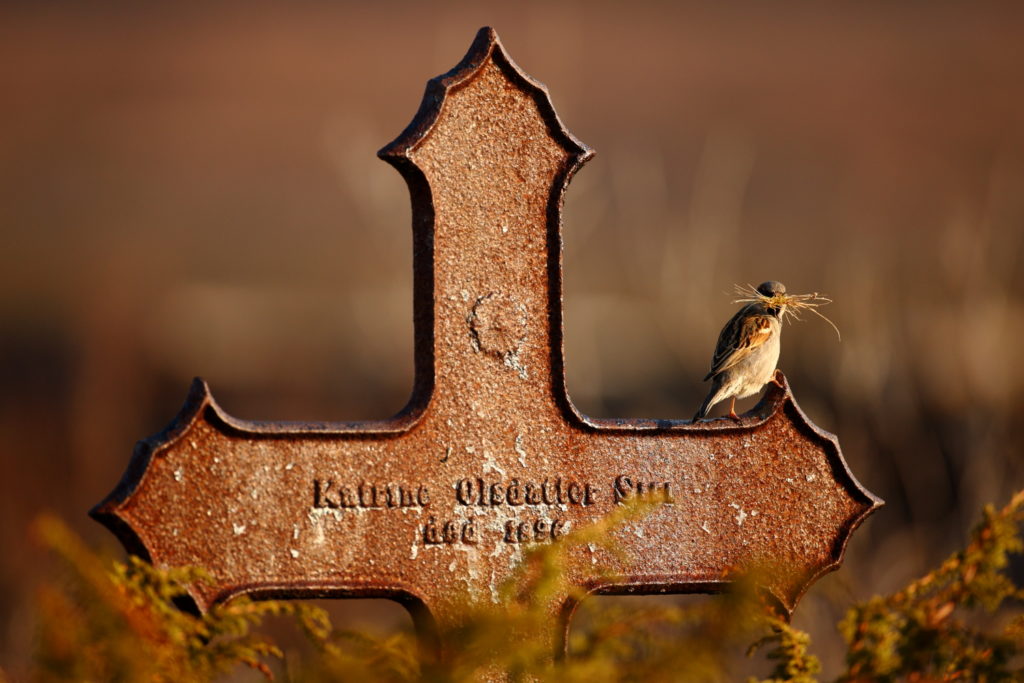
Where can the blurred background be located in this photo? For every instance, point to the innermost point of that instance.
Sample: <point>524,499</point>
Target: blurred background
<point>192,190</point>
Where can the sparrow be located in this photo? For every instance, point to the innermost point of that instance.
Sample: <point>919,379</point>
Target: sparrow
<point>747,350</point>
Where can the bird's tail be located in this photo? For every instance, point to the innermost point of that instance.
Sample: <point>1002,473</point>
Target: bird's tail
<point>713,397</point>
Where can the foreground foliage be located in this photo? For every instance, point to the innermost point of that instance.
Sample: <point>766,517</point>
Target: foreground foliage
<point>113,621</point>
<point>947,625</point>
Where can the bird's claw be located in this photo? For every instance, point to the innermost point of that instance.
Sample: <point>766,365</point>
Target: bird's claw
<point>778,379</point>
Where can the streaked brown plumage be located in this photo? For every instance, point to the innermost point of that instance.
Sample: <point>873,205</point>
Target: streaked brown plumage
<point>747,352</point>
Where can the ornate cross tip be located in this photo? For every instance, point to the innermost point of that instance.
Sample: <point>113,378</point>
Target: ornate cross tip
<point>436,506</point>
<point>486,48</point>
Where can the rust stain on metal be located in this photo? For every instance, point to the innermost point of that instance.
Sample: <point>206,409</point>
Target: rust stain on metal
<point>429,507</point>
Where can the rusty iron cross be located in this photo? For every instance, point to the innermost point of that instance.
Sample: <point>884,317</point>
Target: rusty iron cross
<point>435,506</point>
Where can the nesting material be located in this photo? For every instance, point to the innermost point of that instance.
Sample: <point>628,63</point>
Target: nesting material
<point>794,304</point>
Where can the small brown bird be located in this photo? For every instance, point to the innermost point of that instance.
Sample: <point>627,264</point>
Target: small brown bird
<point>747,350</point>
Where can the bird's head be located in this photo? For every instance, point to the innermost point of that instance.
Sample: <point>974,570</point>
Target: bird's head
<point>774,294</point>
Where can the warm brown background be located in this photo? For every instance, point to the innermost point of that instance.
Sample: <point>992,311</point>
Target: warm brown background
<point>195,191</point>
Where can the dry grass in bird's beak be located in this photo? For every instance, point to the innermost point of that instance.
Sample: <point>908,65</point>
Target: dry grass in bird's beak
<point>795,303</point>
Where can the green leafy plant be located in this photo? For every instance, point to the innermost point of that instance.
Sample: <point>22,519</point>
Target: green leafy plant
<point>946,625</point>
<point>113,621</point>
<point>789,649</point>
<point>121,621</point>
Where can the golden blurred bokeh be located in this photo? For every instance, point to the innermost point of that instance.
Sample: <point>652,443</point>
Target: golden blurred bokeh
<point>193,191</point>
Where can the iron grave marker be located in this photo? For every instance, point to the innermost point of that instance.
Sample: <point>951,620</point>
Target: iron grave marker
<point>435,506</point>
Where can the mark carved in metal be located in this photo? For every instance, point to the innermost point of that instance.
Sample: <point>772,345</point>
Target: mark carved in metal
<point>419,507</point>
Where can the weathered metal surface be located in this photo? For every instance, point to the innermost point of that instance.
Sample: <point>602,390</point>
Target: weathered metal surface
<point>432,507</point>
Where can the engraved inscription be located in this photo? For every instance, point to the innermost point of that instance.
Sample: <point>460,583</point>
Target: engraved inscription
<point>626,487</point>
<point>449,532</point>
<point>548,492</point>
<point>534,532</point>
<point>329,494</point>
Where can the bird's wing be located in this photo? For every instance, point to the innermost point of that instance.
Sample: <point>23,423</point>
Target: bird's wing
<point>742,334</point>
